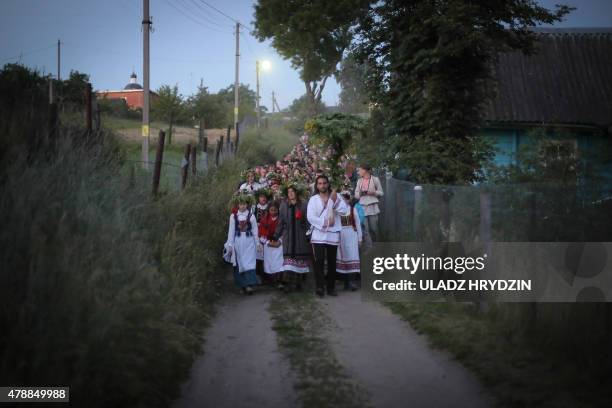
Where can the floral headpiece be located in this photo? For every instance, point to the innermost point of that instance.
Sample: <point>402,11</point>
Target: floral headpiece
<point>241,197</point>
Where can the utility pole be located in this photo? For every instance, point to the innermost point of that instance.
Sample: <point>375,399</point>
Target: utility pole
<point>59,76</point>
<point>237,81</point>
<point>257,100</point>
<point>273,101</point>
<point>146,28</point>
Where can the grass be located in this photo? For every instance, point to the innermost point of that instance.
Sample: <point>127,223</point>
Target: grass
<point>103,288</point>
<point>518,371</point>
<point>300,325</point>
<point>116,123</point>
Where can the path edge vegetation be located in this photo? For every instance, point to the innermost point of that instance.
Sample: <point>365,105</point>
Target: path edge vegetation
<point>518,368</point>
<point>301,328</point>
<point>103,287</point>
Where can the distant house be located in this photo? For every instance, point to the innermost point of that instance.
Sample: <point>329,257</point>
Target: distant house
<point>132,93</point>
<point>565,88</point>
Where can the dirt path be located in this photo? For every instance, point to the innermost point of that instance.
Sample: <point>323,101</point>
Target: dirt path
<point>241,365</point>
<point>394,363</point>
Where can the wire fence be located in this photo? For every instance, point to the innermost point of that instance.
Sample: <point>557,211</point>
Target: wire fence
<point>530,212</point>
<point>176,173</point>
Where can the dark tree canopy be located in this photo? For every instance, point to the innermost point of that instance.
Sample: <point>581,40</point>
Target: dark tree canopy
<point>429,62</point>
<point>313,35</point>
<point>353,94</point>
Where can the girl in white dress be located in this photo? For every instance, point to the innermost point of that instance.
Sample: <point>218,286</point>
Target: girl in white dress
<point>243,242</point>
<point>347,260</point>
<point>273,248</point>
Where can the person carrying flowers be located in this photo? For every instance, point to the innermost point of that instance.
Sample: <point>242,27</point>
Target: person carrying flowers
<point>250,185</point>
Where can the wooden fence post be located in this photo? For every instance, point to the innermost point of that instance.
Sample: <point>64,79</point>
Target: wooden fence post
<point>485,236</point>
<point>88,108</point>
<point>204,158</point>
<point>418,204</point>
<point>194,155</point>
<point>159,156</point>
<point>218,150</point>
<point>185,166</point>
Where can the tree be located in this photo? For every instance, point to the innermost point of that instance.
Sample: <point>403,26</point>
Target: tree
<point>336,132</point>
<point>211,108</point>
<point>313,35</point>
<point>246,107</point>
<point>351,77</point>
<point>301,112</point>
<point>71,91</point>
<point>429,63</point>
<point>168,106</point>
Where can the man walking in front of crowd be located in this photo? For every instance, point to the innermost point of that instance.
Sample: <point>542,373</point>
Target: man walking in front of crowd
<point>368,192</point>
<point>323,212</point>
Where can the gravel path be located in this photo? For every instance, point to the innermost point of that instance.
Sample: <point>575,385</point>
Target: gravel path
<point>241,366</point>
<point>394,363</point>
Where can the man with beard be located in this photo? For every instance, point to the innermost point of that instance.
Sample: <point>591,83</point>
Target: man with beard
<point>323,212</point>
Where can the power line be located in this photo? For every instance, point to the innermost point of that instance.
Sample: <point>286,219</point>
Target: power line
<point>200,23</point>
<point>220,12</point>
<point>204,14</point>
<point>21,55</point>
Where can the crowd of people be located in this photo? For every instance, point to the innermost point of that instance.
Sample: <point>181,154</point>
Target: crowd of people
<point>289,217</point>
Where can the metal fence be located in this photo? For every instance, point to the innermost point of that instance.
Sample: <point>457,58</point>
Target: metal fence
<point>536,212</point>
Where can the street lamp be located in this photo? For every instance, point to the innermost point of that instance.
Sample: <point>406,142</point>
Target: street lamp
<point>265,65</point>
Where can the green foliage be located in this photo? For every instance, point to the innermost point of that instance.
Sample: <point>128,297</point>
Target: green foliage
<point>211,108</point>
<point>118,108</point>
<point>351,77</point>
<point>168,106</point>
<point>24,110</point>
<point>429,63</point>
<point>247,102</point>
<point>301,111</point>
<point>336,132</point>
<point>71,92</point>
<point>102,287</point>
<point>548,156</point>
<point>265,147</point>
<point>524,353</point>
<point>313,35</point>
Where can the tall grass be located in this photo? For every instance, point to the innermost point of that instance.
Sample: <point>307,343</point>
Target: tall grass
<point>102,288</point>
<point>266,146</point>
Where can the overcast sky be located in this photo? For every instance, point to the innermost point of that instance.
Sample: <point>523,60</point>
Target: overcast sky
<point>191,41</point>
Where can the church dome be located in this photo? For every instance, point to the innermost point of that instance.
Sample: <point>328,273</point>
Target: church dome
<point>133,84</point>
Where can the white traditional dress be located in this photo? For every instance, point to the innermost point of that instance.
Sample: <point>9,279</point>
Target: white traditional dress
<point>242,239</point>
<point>347,259</point>
<point>273,258</point>
<point>250,188</point>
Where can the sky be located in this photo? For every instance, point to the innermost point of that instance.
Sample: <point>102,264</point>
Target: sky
<point>190,42</point>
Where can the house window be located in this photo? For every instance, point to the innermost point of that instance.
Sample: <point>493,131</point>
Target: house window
<point>560,159</point>
<point>559,150</point>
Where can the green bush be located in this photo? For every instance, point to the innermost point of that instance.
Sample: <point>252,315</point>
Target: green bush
<point>265,147</point>
<point>103,288</point>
